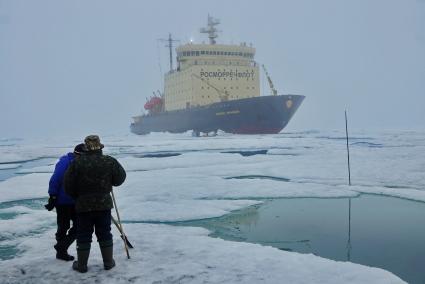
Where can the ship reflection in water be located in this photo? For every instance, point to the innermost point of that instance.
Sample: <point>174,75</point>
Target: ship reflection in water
<point>379,231</point>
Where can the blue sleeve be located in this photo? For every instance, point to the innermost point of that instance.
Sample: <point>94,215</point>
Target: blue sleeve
<point>56,180</point>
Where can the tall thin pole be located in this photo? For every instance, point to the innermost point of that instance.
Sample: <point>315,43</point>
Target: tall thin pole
<point>348,149</point>
<point>349,183</point>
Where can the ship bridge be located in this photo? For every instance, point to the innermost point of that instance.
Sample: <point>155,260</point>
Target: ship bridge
<point>210,73</point>
<point>217,54</point>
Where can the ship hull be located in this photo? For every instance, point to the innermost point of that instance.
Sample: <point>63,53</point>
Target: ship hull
<point>257,115</point>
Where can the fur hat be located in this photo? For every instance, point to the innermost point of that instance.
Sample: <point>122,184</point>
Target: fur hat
<point>93,143</point>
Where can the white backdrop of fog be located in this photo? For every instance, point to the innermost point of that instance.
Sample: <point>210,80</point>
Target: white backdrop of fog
<point>86,66</point>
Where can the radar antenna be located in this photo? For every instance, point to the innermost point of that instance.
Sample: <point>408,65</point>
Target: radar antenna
<point>211,30</point>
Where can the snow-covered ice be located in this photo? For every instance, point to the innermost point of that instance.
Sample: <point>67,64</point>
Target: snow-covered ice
<point>9,166</point>
<point>207,181</point>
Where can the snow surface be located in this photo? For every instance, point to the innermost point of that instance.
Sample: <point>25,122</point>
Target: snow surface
<point>9,166</point>
<point>207,181</point>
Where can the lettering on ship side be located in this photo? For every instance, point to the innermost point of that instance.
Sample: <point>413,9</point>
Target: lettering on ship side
<point>231,74</point>
<point>228,112</point>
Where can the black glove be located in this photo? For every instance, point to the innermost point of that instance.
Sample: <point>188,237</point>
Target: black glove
<point>51,203</point>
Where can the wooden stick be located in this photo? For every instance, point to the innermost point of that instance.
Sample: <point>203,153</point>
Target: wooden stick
<point>120,224</point>
<point>122,236</point>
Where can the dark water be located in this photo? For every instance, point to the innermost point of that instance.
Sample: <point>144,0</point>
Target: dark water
<point>383,231</point>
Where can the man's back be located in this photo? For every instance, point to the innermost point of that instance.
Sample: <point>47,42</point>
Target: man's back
<point>90,179</point>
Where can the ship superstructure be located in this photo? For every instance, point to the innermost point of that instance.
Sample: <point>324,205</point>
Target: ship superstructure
<point>210,73</point>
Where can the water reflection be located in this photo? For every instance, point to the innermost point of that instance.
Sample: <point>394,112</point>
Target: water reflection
<point>372,230</point>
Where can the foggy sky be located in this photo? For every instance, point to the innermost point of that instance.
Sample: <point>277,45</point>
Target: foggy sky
<point>84,67</point>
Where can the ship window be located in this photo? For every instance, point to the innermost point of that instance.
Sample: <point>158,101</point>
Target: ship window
<point>240,53</point>
<point>202,52</point>
<point>197,53</point>
<point>214,53</point>
<point>192,53</point>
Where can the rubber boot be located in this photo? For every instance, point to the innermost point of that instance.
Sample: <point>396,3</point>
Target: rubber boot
<point>62,247</point>
<point>83,252</point>
<point>106,248</point>
<point>62,253</point>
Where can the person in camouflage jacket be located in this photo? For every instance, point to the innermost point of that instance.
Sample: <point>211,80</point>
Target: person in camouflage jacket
<point>89,180</point>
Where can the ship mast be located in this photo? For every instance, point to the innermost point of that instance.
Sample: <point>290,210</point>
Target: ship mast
<point>170,41</point>
<point>211,30</point>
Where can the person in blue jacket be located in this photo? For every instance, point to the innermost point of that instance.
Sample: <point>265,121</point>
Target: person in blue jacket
<point>65,205</point>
